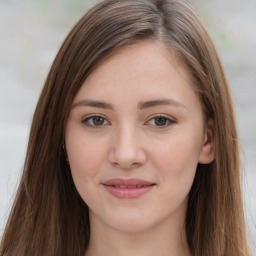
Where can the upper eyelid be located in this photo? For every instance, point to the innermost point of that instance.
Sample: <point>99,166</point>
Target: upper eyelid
<point>94,115</point>
<point>170,121</point>
<point>162,115</point>
<point>88,117</point>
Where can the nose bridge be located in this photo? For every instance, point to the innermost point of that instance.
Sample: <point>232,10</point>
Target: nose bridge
<point>126,138</point>
<point>126,148</point>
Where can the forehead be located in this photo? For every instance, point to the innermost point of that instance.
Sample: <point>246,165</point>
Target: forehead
<point>142,70</point>
<point>142,57</point>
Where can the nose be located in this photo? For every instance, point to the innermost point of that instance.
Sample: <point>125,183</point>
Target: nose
<point>126,150</point>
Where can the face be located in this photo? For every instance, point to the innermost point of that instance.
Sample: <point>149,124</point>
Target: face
<point>134,137</point>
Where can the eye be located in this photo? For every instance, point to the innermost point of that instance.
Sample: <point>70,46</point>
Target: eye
<point>160,121</point>
<point>95,121</point>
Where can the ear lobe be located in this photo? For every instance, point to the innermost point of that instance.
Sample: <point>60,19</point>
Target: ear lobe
<point>207,153</point>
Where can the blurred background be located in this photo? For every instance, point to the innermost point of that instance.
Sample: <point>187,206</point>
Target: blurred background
<point>31,31</point>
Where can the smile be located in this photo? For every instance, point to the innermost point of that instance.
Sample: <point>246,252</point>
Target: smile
<point>123,186</point>
<point>132,188</point>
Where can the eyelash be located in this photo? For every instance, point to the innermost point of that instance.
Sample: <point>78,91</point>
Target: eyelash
<point>168,121</point>
<point>92,118</point>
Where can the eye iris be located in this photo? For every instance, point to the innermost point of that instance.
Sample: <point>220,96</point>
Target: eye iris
<point>160,121</point>
<point>98,120</point>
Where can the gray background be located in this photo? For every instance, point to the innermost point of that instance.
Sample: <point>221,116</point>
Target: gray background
<point>31,32</point>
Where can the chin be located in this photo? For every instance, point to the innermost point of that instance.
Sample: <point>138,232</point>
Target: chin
<point>131,226</point>
<point>130,223</point>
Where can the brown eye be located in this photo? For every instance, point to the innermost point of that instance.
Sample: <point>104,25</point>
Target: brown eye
<point>160,121</point>
<point>95,121</point>
<point>98,120</point>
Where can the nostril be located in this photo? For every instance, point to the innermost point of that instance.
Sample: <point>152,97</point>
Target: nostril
<point>126,156</point>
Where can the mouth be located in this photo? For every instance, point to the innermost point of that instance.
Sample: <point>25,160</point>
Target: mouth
<point>124,186</point>
<point>128,188</point>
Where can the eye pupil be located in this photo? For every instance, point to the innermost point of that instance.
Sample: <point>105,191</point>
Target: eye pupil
<point>160,121</point>
<point>97,120</point>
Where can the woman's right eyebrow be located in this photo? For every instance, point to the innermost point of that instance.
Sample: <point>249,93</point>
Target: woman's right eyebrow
<point>93,103</point>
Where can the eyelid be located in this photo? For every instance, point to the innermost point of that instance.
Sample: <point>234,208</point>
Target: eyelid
<point>167,117</point>
<point>88,117</point>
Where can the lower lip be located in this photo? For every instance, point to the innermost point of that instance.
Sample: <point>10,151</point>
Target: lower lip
<point>128,192</point>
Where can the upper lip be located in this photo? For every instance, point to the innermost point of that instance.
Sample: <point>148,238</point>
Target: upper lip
<point>127,182</point>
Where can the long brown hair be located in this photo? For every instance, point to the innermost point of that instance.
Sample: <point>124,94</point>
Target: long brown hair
<point>48,216</point>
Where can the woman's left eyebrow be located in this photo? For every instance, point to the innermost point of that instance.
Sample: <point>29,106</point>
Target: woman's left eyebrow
<point>159,102</point>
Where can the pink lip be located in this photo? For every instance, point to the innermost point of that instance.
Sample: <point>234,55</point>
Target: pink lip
<point>128,188</point>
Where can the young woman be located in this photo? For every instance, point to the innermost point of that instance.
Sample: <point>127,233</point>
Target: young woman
<point>133,148</point>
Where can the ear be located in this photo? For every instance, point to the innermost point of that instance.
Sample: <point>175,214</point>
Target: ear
<point>207,153</point>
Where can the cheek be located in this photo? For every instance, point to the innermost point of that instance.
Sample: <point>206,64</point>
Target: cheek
<point>176,161</point>
<point>177,171</point>
<point>180,150</point>
<point>85,158</point>
<point>85,162</point>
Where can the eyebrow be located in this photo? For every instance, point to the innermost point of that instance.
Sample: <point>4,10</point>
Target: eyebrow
<point>93,103</point>
<point>160,102</point>
<point>141,105</point>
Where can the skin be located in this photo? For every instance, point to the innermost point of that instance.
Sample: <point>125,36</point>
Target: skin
<point>129,140</point>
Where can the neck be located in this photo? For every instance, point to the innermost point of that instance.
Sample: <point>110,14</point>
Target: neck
<point>161,240</point>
